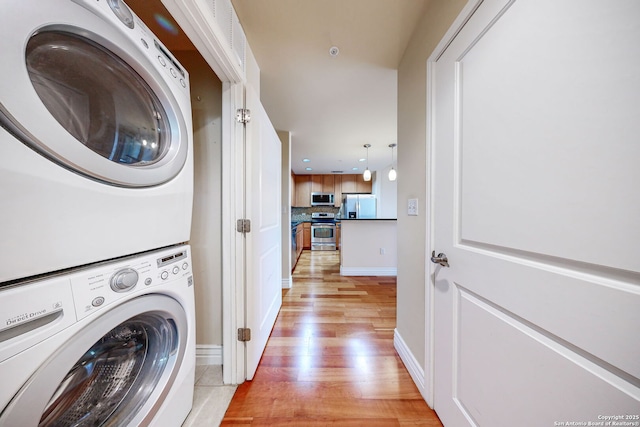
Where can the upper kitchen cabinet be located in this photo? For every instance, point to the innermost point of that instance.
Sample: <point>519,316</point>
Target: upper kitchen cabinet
<point>355,183</point>
<point>322,183</point>
<point>336,184</point>
<point>303,191</point>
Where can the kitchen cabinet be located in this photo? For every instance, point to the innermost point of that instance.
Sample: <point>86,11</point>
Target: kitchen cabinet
<point>348,184</point>
<point>336,184</point>
<point>337,190</point>
<point>322,184</point>
<point>306,233</point>
<point>299,240</point>
<point>352,183</point>
<point>338,228</point>
<point>362,186</point>
<point>296,244</point>
<point>316,183</point>
<point>303,191</point>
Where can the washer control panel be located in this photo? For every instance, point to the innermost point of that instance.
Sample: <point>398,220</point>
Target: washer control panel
<point>98,286</point>
<point>124,280</point>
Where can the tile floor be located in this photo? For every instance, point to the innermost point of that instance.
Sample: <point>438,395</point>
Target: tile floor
<point>211,398</point>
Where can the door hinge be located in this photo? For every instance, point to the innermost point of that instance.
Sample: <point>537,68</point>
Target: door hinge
<point>243,115</point>
<point>243,225</point>
<point>244,334</point>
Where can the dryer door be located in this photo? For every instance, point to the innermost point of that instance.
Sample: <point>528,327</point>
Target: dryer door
<point>91,94</point>
<point>114,372</point>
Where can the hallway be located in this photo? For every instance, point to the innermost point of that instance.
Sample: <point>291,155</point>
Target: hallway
<point>330,359</point>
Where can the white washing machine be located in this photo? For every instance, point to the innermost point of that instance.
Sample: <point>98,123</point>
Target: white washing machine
<point>109,345</point>
<point>95,137</point>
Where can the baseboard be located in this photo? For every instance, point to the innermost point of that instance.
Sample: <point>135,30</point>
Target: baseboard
<point>286,283</point>
<point>410,362</point>
<point>368,271</point>
<point>208,354</point>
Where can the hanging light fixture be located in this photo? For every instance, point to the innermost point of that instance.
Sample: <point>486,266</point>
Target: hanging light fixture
<point>392,173</point>
<point>367,173</point>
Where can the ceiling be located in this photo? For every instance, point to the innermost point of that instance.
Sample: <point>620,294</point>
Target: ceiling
<point>332,105</point>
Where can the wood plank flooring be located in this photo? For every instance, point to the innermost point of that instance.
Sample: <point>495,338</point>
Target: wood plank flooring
<point>330,359</point>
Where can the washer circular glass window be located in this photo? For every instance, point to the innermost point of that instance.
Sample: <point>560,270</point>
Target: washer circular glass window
<point>116,370</point>
<point>114,378</point>
<point>98,98</point>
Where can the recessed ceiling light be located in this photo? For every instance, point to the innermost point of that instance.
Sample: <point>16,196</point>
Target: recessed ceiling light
<point>362,160</point>
<point>306,160</point>
<point>354,169</point>
<point>309,169</point>
<point>334,51</point>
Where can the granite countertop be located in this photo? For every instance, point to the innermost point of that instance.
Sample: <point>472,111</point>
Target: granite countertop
<point>295,223</point>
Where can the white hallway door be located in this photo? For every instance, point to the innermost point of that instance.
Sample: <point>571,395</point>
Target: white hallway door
<point>536,204</point>
<point>263,293</point>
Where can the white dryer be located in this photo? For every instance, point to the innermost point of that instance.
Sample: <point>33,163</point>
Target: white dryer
<point>96,157</point>
<point>109,345</point>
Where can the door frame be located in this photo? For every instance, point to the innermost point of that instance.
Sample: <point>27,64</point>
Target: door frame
<point>429,365</point>
<point>191,16</point>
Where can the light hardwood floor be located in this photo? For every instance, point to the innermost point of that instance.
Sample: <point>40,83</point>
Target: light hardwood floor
<point>330,358</point>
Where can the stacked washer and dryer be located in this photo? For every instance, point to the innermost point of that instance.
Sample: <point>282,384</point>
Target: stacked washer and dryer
<point>97,323</point>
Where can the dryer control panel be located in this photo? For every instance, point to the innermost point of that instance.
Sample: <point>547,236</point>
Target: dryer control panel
<point>98,287</point>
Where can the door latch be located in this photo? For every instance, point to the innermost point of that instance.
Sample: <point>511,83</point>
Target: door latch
<point>440,259</point>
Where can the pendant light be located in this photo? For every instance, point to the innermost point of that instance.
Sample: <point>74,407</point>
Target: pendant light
<point>392,173</point>
<point>367,173</point>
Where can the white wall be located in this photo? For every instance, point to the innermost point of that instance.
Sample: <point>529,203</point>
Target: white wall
<point>206,229</point>
<point>285,206</point>
<point>368,248</point>
<point>387,192</point>
<point>412,181</point>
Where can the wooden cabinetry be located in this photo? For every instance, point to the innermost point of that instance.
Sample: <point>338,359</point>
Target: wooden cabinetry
<point>355,183</point>
<point>303,190</point>
<point>336,184</point>
<point>299,239</point>
<point>306,232</point>
<point>362,186</point>
<point>322,183</point>
<point>348,184</point>
<point>338,228</point>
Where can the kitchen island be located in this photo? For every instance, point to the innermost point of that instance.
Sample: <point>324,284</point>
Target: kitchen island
<point>368,247</point>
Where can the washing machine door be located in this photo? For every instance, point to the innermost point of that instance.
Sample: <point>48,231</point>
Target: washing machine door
<point>115,372</point>
<point>86,88</point>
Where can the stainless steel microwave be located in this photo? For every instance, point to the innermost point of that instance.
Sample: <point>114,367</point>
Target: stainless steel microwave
<point>321,199</point>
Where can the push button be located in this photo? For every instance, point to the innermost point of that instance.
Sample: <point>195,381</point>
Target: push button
<point>97,301</point>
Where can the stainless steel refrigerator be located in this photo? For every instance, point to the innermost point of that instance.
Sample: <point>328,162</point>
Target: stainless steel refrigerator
<point>359,206</point>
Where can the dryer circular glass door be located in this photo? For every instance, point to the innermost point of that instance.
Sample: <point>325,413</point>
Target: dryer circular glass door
<point>103,102</point>
<point>114,372</point>
<point>94,96</point>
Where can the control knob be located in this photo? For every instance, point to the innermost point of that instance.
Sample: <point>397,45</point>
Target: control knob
<point>124,280</point>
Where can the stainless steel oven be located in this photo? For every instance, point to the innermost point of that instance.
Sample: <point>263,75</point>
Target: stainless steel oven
<point>323,231</point>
